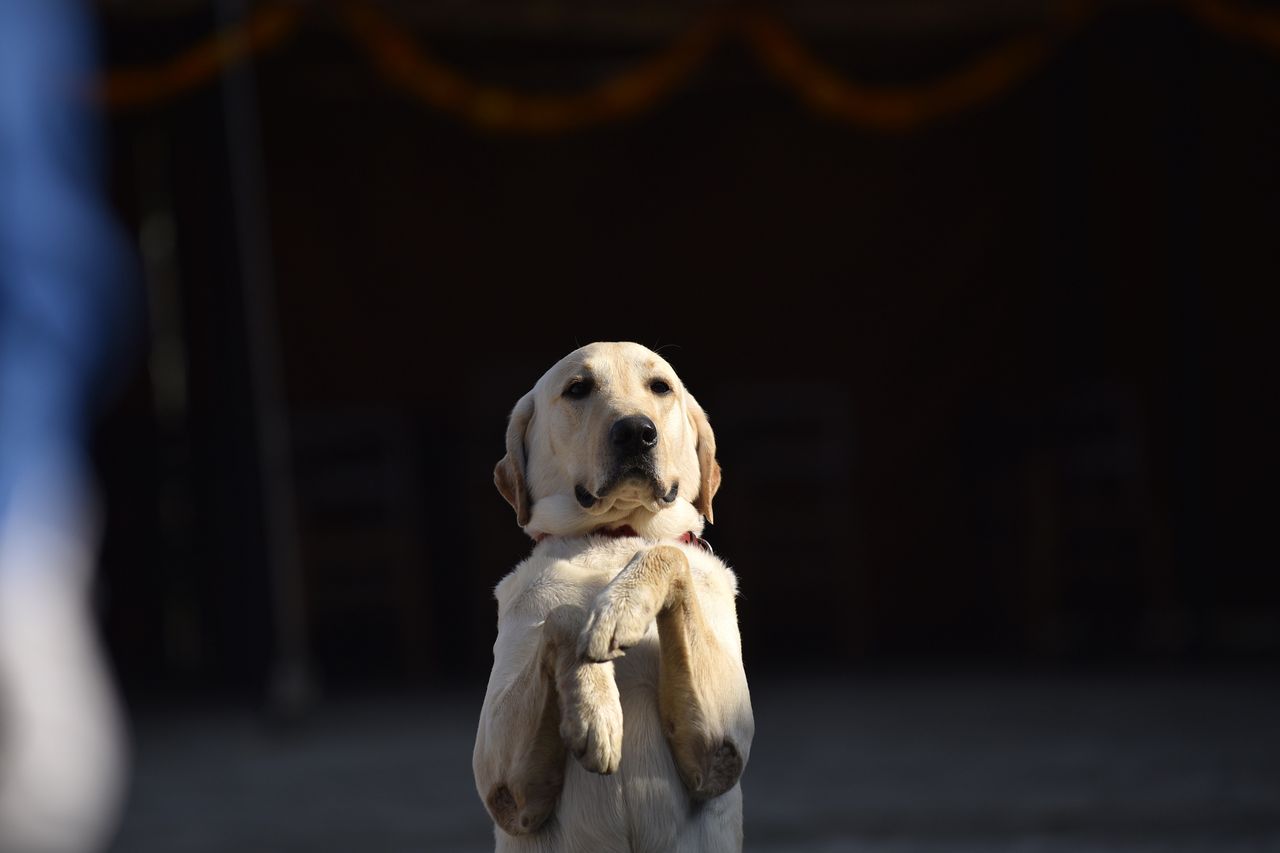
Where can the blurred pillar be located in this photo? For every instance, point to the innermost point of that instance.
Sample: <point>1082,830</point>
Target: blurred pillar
<point>291,688</point>
<point>1067,340</point>
<point>1188,396</point>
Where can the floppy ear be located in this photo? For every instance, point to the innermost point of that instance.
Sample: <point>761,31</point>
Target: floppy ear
<point>708,467</point>
<point>508,474</point>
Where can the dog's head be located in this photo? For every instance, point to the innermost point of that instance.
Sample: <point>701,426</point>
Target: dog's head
<point>608,435</point>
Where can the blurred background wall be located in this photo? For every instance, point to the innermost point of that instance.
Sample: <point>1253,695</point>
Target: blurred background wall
<point>987,359</point>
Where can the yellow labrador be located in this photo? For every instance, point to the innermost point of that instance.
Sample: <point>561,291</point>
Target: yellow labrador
<point>617,636</point>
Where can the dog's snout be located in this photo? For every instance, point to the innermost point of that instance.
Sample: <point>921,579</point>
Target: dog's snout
<point>633,436</point>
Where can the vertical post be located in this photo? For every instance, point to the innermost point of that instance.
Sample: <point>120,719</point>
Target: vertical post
<point>1188,335</point>
<point>1065,342</point>
<point>291,689</point>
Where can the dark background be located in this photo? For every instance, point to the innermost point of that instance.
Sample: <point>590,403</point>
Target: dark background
<point>996,393</point>
<point>998,388</point>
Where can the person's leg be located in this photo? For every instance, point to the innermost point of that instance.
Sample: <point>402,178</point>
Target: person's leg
<point>62,295</point>
<point>61,757</point>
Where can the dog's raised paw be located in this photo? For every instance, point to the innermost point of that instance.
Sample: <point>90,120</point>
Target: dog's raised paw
<point>615,624</point>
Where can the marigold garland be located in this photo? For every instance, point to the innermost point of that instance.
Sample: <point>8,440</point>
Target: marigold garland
<point>265,28</point>
<point>397,56</point>
<point>893,108</point>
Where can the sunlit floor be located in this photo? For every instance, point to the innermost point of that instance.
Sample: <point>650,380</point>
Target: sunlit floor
<point>936,764</point>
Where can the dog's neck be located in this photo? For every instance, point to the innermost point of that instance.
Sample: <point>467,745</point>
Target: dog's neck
<point>559,515</point>
<point>688,537</point>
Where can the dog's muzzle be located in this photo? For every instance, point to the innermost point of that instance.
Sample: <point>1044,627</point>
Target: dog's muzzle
<point>632,441</point>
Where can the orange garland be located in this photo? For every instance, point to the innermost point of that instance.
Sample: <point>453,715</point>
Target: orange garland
<point>1237,21</point>
<point>891,108</point>
<point>400,61</point>
<point>267,27</point>
<point>888,109</point>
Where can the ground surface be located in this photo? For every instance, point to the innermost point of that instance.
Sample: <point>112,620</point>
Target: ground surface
<point>921,764</point>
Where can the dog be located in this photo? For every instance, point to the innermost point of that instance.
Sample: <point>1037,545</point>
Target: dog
<point>617,716</point>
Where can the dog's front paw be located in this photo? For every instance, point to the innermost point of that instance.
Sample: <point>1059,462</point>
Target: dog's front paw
<point>591,718</point>
<point>616,623</point>
<point>624,611</point>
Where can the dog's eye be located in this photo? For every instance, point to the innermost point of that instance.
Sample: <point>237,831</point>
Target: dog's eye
<point>659,387</point>
<point>578,389</point>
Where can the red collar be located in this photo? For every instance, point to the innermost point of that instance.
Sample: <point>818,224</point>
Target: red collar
<point>688,537</point>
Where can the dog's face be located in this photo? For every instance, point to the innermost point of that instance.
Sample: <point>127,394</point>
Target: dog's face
<point>607,431</point>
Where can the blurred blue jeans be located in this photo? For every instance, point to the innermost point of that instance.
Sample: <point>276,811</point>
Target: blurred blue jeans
<point>64,293</point>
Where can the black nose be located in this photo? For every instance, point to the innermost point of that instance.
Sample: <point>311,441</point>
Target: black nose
<point>633,436</point>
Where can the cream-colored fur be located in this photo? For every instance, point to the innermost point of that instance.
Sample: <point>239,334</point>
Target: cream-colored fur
<point>617,716</point>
